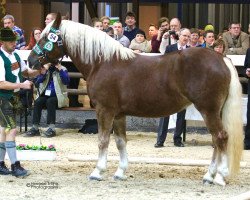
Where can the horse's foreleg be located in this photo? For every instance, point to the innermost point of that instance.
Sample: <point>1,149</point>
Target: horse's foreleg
<point>105,120</point>
<point>121,141</point>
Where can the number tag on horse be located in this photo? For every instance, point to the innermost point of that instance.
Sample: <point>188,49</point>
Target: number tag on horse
<point>52,37</point>
<point>48,46</point>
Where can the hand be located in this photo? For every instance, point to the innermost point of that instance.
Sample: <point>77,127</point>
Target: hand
<point>58,66</point>
<point>43,70</point>
<point>26,84</point>
<point>165,35</point>
<point>47,66</point>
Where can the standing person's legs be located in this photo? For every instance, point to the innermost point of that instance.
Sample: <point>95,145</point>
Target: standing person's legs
<point>247,128</point>
<point>162,131</point>
<point>180,126</point>
<point>52,105</point>
<point>7,140</point>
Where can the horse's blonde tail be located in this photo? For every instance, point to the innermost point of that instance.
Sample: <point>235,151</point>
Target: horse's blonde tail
<point>232,120</point>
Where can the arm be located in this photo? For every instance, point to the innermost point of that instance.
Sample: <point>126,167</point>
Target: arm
<point>155,44</point>
<point>6,85</point>
<point>63,74</point>
<point>244,45</point>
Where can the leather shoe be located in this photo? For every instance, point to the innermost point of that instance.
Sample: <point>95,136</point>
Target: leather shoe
<point>159,145</point>
<point>246,147</point>
<point>178,144</point>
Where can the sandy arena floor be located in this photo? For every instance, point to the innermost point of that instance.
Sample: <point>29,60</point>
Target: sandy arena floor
<point>145,181</point>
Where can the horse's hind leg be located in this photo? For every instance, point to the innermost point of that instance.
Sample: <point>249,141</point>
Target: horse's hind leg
<point>212,169</point>
<point>218,169</point>
<point>105,120</point>
<point>121,141</point>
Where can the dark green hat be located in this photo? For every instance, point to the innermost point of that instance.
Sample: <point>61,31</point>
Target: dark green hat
<point>6,35</point>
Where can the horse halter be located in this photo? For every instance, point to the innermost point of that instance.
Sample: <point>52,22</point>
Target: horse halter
<point>53,37</point>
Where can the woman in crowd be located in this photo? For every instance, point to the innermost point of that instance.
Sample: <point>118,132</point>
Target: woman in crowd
<point>34,38</point>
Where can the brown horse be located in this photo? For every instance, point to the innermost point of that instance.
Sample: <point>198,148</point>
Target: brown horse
<point>122,83</point>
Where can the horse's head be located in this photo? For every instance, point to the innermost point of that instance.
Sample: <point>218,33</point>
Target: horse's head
<point>49,48</point>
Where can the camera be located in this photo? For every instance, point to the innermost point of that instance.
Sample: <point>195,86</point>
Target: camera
<point>172,32</point>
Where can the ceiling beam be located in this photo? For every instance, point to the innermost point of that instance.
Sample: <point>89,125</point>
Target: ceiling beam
<point>91,8</point>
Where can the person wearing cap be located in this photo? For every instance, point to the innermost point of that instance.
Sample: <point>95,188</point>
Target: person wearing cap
<point>236,41</point>
<point>9,21</point>
<point>209,27</point>
<point>12,70</point>
<point>139,44</point>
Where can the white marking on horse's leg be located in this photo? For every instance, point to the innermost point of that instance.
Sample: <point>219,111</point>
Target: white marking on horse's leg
<point>212,169</point>
<point>123,163</point>
<point>100,167</point>
<point>209,176</point>
<point>222,171</point>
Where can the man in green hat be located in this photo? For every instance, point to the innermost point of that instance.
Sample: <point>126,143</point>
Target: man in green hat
<point>12,70</point>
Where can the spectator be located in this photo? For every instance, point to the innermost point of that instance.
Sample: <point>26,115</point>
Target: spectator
<point>51,93</point>
<point>97,24</point>
<point>171,36</point>
<point>9,21</point>
<point>182,44</point>
<point>12,71</point>
<point>220,36</point>
<point>34,38</point>
<point>105,22</point>
<point>118,34</point>
<point>194,38</point>
<point>201,38</point>
<point>247,128</point>
<point>163,25</point>
<point>209,39</point>
<point>139,44</point>
<point>109,31</point>
<point>152,30</point>
<point>236,41</point>
<point>49,18</point>
<point>130,29</point>
<point>219,46</point>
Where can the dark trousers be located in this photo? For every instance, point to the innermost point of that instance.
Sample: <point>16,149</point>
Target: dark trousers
<point>247,129</point>
<point>50,103</point>
<point>73,84</point>
<point>163,128</point>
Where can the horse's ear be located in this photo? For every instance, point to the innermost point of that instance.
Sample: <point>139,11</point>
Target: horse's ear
<point>57,21</point>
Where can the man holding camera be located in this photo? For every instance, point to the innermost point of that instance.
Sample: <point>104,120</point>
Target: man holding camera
<point>171,36</point>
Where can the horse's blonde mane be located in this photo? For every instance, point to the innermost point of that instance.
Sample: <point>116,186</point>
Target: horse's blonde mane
<point>92,44</point>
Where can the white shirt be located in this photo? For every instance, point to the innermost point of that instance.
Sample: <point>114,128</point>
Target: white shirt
<point>181,47</point>
<point>12,59</point>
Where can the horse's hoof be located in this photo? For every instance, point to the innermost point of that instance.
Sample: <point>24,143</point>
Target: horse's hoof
<point>118,178</point>
<point>207,182</point>
<point>219,180</point>
<point>94,178</point>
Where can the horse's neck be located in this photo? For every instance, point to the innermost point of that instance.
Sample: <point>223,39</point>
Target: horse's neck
<point>82,68</point>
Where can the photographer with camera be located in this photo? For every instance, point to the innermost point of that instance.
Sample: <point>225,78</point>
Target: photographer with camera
<point>171,36</point>
<point>163,25</point>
